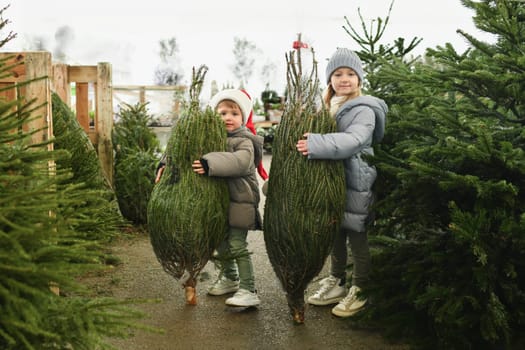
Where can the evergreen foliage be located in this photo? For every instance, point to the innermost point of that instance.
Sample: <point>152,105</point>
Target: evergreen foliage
<point>87,175</point>
<point>305,199</point>
<point>136,148</point>
<point>244,53</point>
<point>188,213</point>
<point>450,272</point>
<point>40,210</point>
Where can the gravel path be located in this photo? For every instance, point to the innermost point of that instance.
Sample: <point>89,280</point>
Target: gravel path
<point>211,324</point>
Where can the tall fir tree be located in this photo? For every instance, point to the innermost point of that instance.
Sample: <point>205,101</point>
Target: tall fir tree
<point>450,275</point>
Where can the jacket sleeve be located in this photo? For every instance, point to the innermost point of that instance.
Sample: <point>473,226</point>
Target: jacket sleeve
<point>231,164</point>
<point>356,134</point>
<point>162,163</point>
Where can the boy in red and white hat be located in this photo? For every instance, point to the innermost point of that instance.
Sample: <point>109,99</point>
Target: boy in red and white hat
<point>238,165</point>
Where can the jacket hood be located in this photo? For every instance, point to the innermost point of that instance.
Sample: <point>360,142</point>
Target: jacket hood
<point>257,141</point>
<point>378,106</point>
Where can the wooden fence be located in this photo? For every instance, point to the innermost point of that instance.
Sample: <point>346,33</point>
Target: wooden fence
<point>92,102</point>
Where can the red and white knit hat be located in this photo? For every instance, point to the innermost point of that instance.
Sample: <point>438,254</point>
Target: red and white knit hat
<point>237,96</point>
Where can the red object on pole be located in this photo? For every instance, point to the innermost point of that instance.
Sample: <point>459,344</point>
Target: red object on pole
<point>299,45</point>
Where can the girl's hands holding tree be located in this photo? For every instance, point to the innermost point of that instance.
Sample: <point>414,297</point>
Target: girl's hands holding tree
<point>302,145</point>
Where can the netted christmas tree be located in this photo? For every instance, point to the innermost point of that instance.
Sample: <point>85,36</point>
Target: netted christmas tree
<point>188,213</point>
<point>305,200</point>
<point>136,156</point>
<point>87,174</point>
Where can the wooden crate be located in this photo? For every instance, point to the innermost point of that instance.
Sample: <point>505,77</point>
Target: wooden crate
<point>44,77</point>
<point>32,70</point>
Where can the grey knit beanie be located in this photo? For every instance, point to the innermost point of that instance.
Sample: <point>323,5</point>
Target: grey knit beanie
<point>343,57</point>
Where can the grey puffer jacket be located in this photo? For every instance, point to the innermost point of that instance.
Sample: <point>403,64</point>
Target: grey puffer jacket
<point>360,122</point>
<point>238,165</point>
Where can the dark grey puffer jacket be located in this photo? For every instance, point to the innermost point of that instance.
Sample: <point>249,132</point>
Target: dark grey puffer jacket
<point>360,122</point>
<point>238,165</point>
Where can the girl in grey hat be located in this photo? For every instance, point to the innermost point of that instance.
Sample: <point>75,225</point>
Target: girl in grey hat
<point>360,123</point>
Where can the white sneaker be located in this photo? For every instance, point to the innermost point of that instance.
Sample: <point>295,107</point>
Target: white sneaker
<point>244,298</point>
<point>223,285</point>
<point>329,293</point>
<point>350,305</point>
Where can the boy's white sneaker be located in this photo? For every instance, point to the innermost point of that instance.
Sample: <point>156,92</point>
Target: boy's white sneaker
<point>223,285</point>
<point>243,298</point>
<point>330,292</point>
<point>351,304</point>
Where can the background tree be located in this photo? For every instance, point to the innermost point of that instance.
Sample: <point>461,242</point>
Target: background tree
<point>450,272</point>
<point>168,71</point>
<point>136,156</point>
<point>267,73</point>
<point>244,52</point>
<point>64,36</point>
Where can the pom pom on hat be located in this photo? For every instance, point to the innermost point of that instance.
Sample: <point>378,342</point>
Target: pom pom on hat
<point>343,57</point>
<point>237,96</point>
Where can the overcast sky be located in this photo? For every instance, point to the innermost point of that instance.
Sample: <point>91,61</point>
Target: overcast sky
<point>127,34</point>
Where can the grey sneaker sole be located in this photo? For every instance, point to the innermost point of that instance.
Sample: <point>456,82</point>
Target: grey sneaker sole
<point>341,313</point>
<point>247,304</point>
<point>223,291</point>
<point>324,302</point>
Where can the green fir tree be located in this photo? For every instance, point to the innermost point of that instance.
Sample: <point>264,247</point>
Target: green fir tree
<point>136,156</point>
<point>39,247</point>
<point>87,174</point>
<point>41,252</point>
<point>450,274</point>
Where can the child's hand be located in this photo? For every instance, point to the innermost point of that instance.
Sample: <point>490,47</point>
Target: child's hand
<point>159,174</point>
<point>198,168</point>
<point>302,145</point>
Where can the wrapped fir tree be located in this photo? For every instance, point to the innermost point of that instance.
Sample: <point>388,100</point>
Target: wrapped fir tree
<point>187,213</point>
<point>305,199</point>
<point>87,173</point>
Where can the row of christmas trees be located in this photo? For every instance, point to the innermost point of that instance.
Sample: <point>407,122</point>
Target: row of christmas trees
<point>449,233</point>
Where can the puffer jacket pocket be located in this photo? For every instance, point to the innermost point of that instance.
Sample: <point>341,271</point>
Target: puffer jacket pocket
<point>360,176</point>
<point>243,216</point>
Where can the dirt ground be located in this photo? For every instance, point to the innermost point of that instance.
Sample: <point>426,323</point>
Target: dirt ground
<point>211,324</point>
